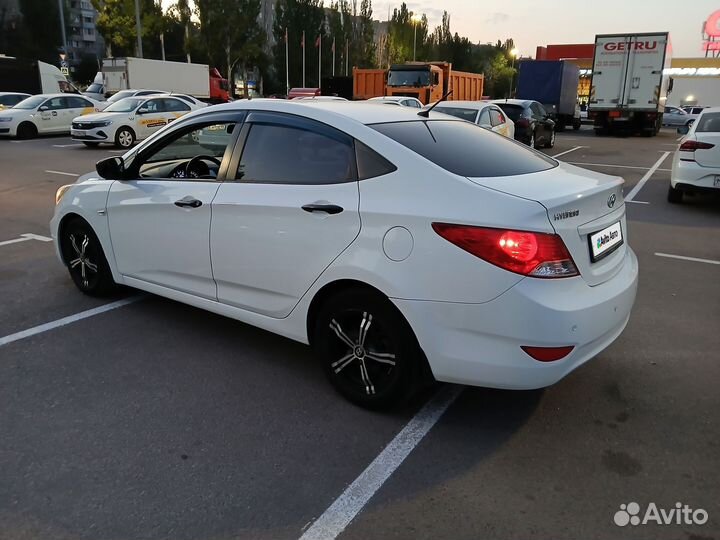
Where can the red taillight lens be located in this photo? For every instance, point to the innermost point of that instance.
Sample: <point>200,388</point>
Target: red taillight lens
<point>691,146</point>
<point>547,354</point>
<point>523,252</point>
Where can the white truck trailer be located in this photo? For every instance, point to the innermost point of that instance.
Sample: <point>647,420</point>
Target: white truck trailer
<point>628,88</point>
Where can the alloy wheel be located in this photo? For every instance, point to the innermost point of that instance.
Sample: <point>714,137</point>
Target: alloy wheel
<point>82,265</point>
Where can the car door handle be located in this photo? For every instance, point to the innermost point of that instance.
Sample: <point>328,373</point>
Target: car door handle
<point>188,202</point>
<point>327,208</point>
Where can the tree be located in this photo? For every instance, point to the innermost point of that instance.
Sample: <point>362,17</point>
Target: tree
<point>402,37</point>
<point>116,23</point>
<point>296,17</point>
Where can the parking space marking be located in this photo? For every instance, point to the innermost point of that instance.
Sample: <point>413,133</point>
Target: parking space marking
<point>63,173</point>
<point>344,509</point>
<point>17,336</point>
<point>646,177</point>
<point>25,237</point>
<point>613,165</point>
<point>568,151</point>
<point>66,145</point>
<point>684,258</point>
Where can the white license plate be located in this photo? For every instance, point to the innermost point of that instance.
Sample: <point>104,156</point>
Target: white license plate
<point>77,133</point>
<point>603,242</point>
<point>716,181</point>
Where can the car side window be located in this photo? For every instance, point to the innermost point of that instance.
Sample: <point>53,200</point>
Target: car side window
<point>205,139</point>
<point>174,105</point>
<point>496,117</point>
<point>484,119</point>
<point>296,153</point>
<point>538,111</point>
<point>77,102</point>
<point>55,104</point>
<point>371,164</point>
<point>152,106</point>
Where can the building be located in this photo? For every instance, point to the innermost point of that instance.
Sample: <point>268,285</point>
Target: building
<point>695,81</point>
<point>83,38</point>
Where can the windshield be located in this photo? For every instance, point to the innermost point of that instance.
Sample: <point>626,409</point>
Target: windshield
<point>513,111</point>
<point>125,105</point>
<point>30,103</point>
<point>120,95</point>
<point>95,88</point>
<point>420,77</point>
<point>463,114</point>
<point>709,123</point>
<point>466,149</point>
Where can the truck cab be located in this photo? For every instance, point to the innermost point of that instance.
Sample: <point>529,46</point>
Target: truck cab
<point>426,82</point>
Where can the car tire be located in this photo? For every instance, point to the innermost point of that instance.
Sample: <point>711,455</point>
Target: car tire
<point>531,142</point>
<point>27,130</point>
<point>577,125</point>
<point>85,260</point>
<point>367,349</point>
<point>91,144</point>
<point>674,196</point>
<point>124,138</point>
<point>551,142</point>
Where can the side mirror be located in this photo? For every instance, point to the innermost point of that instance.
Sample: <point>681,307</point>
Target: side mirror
<point>683,130</point>
<point>143,110</point>
<point>43,108</point>
<point>111,168</point>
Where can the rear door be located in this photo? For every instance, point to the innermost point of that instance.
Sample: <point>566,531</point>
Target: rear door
<point>644,75</point>
<point>174,108</point>
<point>77,106</point>
<point>289,207</point>
<point>707,130</point>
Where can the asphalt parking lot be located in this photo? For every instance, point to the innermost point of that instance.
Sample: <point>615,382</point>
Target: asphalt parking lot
<point>157,420</point>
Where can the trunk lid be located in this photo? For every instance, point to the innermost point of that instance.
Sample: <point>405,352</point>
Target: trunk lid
<point>579,203</point>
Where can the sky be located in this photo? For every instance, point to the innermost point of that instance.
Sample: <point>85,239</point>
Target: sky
<point>541,22</point>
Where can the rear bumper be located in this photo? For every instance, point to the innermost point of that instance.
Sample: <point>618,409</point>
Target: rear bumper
<point>479,344</point>
<point>691,177</point>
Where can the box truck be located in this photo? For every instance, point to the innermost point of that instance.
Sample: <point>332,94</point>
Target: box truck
<point>554,83</point>
<point>198,80</point>
<point>32,77</point>
<point>426,81</point>
<point>628,87</point>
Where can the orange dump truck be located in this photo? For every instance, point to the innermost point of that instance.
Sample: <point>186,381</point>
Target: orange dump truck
<point>427,81</point>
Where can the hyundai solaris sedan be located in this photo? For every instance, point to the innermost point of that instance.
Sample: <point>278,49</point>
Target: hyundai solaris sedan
<point>402,248</point>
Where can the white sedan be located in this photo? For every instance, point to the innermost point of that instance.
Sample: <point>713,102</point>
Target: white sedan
<point>402,248</point>
<point>129,120</point>
<point>403,101</point>
<point>482,113</point>
<point>10,99</point>
<point>44,114</point>
<point>696,164</point>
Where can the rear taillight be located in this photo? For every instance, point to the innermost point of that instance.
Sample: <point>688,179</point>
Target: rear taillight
<point>547,354</point>
<point>527,253</point>
<point>691,146</point>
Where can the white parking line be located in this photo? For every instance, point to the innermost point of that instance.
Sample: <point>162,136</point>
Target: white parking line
<point>67,320</point>
<point>613,165</point>
<point>568,151</point>
<point>66,145</point>
<point>341,512</point>
<point>25,237</point>
<point>646,177</point>
<point>684,258</point>
<point>63,173</point>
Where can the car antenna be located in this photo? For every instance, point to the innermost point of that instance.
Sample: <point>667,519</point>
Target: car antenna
<point>426,112</point>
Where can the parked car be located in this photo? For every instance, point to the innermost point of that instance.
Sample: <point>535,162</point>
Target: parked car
<point>693,109</point>
<point>675,116</point>
<point>129,120</point>
<point>122,94</point>
<point>533,124</point>
<point>696,164</point>
<point>44,114</point>
<point>482,113</point>
<point>405,101</point>
<point>10,99</point>
<point>400,247</point>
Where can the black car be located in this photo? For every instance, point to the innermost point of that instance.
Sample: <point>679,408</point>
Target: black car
<point>533,125</point>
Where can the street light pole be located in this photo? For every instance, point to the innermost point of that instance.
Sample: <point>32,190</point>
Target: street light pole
<point>414,41</point>
<point>62,26</point>
<point>137,29</point>
<point>513,54</point>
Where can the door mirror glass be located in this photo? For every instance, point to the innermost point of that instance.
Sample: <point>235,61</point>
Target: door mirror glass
<point>111,168</point>
<point>683,130</point>
<point>43,108</point>
<point>143,110</point>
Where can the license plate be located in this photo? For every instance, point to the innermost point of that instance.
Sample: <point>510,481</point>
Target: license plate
<point>604,242</point>
<point>716,182</point>
<point>77,133</point>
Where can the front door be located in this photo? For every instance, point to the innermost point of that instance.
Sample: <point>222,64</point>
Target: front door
<point>160,218</point>
<point>290,211</point>
<point>150,117</point>
<point>52,115</point>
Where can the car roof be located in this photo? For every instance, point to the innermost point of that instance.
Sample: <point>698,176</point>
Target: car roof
<point>476,105</point>
<point>14,94</point>
<point>390,98</point>
<point>710,110</point>
<point>60,94</point>
<point>518,102</point>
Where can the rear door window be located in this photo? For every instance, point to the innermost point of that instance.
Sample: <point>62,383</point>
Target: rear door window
<point>513,111</point>
<point>459,112</point>
<point>709,123</point>
<point>484,119</point>
<point>465,149</point>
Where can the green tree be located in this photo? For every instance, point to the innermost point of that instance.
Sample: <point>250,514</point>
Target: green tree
<point>402,37</point>
<point>116,23</point>
<point>296,17</point>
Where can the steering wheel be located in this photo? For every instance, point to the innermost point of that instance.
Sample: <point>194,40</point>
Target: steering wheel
<point>193,170</point>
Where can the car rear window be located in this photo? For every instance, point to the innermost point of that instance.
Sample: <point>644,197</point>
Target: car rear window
<point>466,149</point>
<point>513,111</point>
<point>709,123</point>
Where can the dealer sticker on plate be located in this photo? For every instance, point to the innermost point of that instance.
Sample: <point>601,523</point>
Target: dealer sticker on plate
<point>605,241</point>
